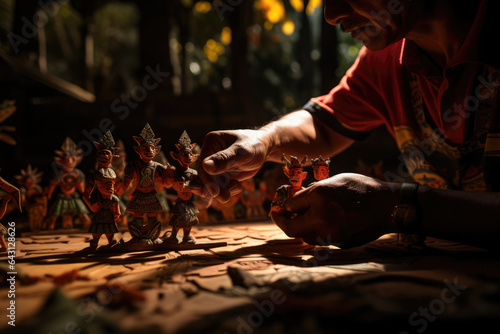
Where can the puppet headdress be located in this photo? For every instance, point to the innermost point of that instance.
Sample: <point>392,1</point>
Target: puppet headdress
<point>68,149</point>
<point>147,135</point>
<point>185,142</point>
<point>294,162</point>
<point>29,172</point>
<point>107,142</point>
<point>320,162</point>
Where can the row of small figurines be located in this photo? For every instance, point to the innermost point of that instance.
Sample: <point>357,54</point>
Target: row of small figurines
<point>71,182</point>
<point>72,185</point>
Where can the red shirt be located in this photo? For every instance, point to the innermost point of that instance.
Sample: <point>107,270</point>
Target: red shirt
<point>439,118</point>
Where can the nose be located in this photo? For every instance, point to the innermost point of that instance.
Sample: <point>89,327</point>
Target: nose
<point>336,10</point>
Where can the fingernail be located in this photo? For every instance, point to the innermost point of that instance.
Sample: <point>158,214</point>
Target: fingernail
<point>209,165</point>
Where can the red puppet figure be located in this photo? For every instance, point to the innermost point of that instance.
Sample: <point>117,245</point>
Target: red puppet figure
<point>106,207</point>
<point>12,194</point>
<point>104,203</point>
<point>106,154</point>
<point>294,171</point>
<point>321,168</point>
<point>71,182</point>
<point>33,198</point>
<point>149,178</point>
<point>252,199</point>
<point>187,183</point>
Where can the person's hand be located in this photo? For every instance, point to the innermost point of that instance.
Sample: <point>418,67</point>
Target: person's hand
<point>345,210</point>
<point>228,157</point>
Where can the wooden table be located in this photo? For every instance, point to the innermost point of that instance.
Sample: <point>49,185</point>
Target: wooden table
<point>261,282</point>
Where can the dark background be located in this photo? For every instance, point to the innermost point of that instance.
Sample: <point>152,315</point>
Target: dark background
<point>70,66</point>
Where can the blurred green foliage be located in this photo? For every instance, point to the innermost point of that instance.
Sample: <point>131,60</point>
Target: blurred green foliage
<point>116,43</point>
<point>283,47</point>
<point>6,20</point>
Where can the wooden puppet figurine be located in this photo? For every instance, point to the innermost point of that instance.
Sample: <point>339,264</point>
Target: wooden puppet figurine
<point>104,157</point>
<point>227,209</point>
<point>106,207</point>
<point>103,202</point>
<point>321,168</point>
<point>33,197</point>
<point>186,183</point>
<point>164,215</point>
<point>12,193</point>
<point>294,171</point>
<point>149,178</point>
<point>118,166</point>
<point>71,182</point>
<point>252,199</point>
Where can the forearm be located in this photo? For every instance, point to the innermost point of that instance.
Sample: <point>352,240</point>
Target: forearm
<point>467,217</point>
<point>300,134</point>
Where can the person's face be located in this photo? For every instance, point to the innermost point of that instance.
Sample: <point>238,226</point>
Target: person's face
<point>377,23</point>
<point>321,172</point>
<point>106,187</point>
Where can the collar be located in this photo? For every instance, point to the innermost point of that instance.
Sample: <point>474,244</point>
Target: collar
<point>479,45</point>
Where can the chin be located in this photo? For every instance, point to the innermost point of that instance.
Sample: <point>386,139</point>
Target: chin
<point>378,42</point>
<point>374,45</point>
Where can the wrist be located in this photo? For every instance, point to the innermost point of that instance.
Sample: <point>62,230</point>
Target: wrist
<point>406,215</point>
<point>269,139</point>
<point>392,200</point>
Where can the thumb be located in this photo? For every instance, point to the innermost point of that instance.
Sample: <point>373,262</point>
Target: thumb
<point>225,160</point>
<point>299,202</point>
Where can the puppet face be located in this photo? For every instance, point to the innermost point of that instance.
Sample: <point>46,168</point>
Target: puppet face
<point>104,157</point>
<point>186,157</point>
<point>69,162</point>
<point>321,172</point>
<point>147,151</point>
<point>296,176</point>
<point>248,184</point>
<point>106,187</point>
<point>29,183</point>
<point>377,23</point>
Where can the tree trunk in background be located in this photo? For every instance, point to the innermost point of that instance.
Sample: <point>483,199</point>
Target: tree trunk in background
<point>239,20</point>
<point>329,57</point>
<point>154,29</point>
<point>23,30</point>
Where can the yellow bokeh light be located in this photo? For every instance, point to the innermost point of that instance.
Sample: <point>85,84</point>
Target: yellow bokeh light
<point>210,43</point>
<point>268,25</point>
<point>288,27</point>
<point>213,50</point>
<point>213,57</point>
<point>273,10</point>
<point>226,36</point>
<point>219,49</point>
<point>313,5</point>
<point>202,7</point>
<point>298,5</point>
